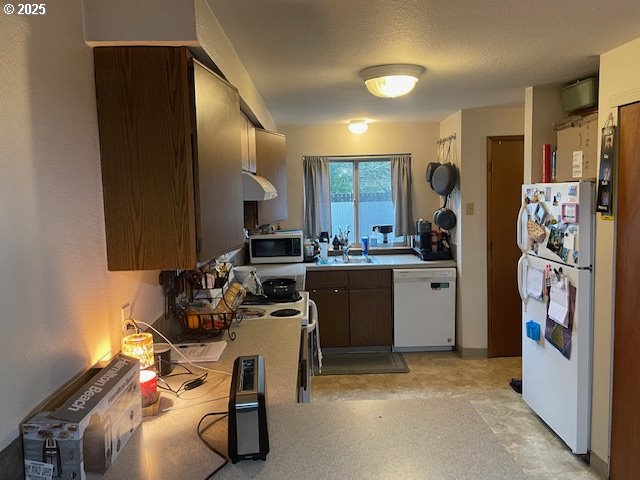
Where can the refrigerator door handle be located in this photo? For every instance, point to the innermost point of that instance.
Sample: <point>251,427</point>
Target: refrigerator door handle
<point>521,239</point>
<point>522,272</point>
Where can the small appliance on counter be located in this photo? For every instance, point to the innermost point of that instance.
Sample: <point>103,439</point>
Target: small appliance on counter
<point>248,433</point>
<point>385,230</point>
<point>279,247</point>
<point>431,245</point>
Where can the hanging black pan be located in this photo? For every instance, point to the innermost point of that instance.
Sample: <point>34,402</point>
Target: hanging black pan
<point>444,179</point>
<point>431,167</point>
<point>445,218</point>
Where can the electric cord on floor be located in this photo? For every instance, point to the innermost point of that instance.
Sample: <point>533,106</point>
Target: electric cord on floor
<point>136,322</point>
<point>209,446</point>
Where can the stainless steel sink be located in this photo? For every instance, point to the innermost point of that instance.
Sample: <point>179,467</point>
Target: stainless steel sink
<point>353,260</point>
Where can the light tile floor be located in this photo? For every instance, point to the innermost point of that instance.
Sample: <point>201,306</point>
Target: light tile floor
<point>540,453</point>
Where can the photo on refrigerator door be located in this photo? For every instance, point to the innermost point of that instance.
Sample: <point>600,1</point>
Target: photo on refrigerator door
<point>558,334</point>
<point>605,176</point>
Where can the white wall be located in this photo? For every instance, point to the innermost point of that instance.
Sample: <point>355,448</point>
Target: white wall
<point>417,138</point>
<point>60,305</point>
<point>477,125</point>
<point>619,85</point>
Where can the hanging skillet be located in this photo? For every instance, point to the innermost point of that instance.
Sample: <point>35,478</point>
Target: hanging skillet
<point>431,167</point>
<point>444,179</point>
<point>444,217</point>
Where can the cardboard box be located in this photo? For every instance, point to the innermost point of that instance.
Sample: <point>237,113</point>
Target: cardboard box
<point>577,157</point>
<point>84,429</point>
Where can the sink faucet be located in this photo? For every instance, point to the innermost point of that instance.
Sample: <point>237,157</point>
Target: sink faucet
<point>345,253</point>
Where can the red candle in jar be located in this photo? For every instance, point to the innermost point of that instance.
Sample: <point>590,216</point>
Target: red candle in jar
<point>148,387</point>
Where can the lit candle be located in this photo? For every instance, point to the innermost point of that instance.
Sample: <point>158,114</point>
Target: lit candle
<point>140,346</point>
<point>148,387</point>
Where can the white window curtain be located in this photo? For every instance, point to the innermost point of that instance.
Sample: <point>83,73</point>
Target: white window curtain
<point>317,196</point>
<point>401,195</point>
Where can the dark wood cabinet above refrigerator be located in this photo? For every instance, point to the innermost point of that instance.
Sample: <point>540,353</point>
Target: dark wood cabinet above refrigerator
<point>171,158</point>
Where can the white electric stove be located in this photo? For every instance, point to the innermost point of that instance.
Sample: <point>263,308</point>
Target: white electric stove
<point>293,309</point>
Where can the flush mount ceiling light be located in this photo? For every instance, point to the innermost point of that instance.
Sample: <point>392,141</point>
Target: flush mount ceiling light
<point>358,127</point>
<point>390,81</point>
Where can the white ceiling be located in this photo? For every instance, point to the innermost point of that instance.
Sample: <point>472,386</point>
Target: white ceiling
<point>304,56</point>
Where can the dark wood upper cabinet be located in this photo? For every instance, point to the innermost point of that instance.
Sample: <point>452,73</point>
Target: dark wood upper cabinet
<point>271,163</point>
<point>170,153</point>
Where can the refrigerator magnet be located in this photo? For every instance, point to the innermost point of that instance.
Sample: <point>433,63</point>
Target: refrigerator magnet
<point>570,213</point>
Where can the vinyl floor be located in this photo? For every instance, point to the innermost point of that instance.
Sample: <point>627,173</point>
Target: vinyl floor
<point>485,383</point>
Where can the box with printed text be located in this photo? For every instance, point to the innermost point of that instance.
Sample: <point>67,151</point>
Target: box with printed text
<point>83,429</point>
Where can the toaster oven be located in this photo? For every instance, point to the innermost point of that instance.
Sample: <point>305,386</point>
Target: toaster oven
<point>280,247</point>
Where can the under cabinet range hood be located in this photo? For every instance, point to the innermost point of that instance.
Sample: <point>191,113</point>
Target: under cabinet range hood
<point>255,187</point>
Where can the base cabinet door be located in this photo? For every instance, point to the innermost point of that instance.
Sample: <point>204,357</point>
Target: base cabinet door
<point>333,314</point>
<point>371,315</point>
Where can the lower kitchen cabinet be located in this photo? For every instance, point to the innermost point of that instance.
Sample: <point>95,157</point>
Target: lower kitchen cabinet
<point>355,307</point>
<point>371,317</point>
<point>333,311</point>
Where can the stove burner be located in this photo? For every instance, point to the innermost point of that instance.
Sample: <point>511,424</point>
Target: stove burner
<point>252,299</point>
<point>248,312</point>
<point>286,312</point>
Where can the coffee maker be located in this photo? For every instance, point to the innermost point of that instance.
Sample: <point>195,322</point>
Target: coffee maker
<point>430,245</point>
<point>423,235</point>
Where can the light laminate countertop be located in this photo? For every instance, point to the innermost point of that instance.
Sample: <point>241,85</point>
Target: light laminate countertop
<point>381,261</point>
<point>167,446</point>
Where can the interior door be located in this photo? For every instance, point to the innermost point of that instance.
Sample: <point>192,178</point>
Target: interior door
<point>505,170</point>
<point>625,422</point>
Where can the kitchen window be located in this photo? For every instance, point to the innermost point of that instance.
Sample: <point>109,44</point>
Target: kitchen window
<point>361,196</point>
<point>356,193</point>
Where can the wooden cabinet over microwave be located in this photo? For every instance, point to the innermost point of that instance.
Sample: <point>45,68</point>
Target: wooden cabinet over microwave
<point>271,163</point>
<point>171,163</point>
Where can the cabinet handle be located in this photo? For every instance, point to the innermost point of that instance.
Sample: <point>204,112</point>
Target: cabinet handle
<point>335,291</point>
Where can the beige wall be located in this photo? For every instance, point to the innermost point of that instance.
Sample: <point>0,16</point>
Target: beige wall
<point>543,107</point>
<point>452,125</point>
<point>60,305</point>
<point>174,22</point>
<point>419,139</point>
<point>477,125</point>
<point>619,85</point>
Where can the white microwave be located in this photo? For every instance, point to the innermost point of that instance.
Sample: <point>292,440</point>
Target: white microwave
<point>279,247</point>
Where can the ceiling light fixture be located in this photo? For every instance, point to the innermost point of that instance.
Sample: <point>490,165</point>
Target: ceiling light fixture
<point>358,127</point>
<point>390,81</point>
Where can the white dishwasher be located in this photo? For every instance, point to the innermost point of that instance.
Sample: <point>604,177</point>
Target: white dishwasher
<point>424,309</point>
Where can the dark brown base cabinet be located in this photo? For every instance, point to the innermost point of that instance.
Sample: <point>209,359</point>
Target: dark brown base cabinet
<point>355,307</point>
<point>171,158</point>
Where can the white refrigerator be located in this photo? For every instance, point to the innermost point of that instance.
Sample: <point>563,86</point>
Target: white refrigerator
<point>555,232</point>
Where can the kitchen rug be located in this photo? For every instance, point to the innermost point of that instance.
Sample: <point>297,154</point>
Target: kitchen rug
<point>362,363</point>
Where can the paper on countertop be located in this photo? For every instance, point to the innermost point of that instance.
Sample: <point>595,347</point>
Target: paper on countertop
<point>535,282</point>
<point>198,352</point>
<point>559,302</point>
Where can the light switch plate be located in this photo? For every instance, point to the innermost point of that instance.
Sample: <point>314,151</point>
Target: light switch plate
<point>468,210</point>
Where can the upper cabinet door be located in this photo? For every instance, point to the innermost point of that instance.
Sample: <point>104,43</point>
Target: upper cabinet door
<point>144,123</point>
<point>248,145</point>
<point>218,161</point>
<point>271,163</point>
<point>170,154</point>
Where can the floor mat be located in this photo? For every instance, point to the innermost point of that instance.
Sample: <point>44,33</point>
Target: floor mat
<point>362,363</point>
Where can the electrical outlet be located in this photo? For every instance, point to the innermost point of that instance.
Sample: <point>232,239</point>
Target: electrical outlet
<point>469,209</point>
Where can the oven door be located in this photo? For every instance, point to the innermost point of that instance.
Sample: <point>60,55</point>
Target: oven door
<point>305,367</point>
